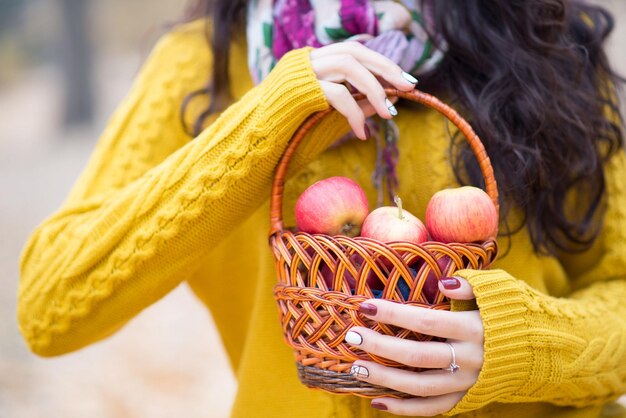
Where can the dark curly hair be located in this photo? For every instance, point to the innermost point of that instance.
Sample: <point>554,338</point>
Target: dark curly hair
<point>532,78</point>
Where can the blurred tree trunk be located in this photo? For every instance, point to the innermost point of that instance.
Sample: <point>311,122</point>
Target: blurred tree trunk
<point>76,62</point>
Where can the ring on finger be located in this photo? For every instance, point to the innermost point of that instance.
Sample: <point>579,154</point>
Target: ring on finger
<point>453,367</point>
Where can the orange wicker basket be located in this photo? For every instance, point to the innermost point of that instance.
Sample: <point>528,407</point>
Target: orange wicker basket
<point>315,317</point>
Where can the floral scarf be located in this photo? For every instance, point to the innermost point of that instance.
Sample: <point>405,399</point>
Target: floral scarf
<point>396,29</point>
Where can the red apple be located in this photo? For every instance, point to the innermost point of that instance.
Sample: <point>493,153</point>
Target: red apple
<point>431,284</point>
<point>333,206</point>
<point>389,223</point>
<point>463,214</point>
<point>372,279</point>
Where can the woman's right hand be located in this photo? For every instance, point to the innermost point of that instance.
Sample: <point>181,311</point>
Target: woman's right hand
<point>364,69</point>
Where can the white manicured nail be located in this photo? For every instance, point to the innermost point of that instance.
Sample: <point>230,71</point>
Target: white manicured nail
<point>359,371</point>
<point>408,77</point>
<point>354,338</point>
<point>391,107</point>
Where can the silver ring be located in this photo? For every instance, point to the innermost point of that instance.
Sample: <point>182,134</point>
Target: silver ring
<point>453,367</point>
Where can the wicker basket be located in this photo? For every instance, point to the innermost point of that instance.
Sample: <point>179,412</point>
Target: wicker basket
<point>315,316</point>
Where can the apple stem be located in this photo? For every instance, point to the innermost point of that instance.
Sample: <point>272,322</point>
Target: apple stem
<point>398,202</point>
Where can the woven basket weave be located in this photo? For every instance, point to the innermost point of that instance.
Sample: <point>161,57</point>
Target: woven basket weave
<point>316,318</point>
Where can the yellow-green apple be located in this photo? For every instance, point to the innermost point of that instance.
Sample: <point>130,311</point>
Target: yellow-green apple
<point>333,206</point>
<point>389,223</point>
<point>463,214</point>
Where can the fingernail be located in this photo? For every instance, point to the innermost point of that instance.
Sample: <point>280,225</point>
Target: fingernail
<point>353,338</point>
<point>391,107</point>
<point>359,371</point>
<point>450,283</point>
<point>368,309</point>
<point>408,77</point>
<point>368,134</point>
<point>378,405</point>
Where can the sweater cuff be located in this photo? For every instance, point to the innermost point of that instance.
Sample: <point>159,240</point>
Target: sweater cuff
<point>292,93</point>
<point>508,356</point>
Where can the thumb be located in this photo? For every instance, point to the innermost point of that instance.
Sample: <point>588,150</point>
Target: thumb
<point>456,288</point>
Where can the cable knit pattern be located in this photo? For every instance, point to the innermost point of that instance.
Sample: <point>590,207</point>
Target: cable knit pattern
<point>153,209</point>
<point>88,256</point>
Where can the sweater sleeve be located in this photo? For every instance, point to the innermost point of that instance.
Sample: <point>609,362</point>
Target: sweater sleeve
<point>565,351</point>
<point>150,203</point>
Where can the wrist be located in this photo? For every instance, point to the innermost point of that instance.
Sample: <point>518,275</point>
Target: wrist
<point>508,354</point>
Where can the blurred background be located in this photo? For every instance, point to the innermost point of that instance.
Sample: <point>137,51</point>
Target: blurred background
<point>64,66</point>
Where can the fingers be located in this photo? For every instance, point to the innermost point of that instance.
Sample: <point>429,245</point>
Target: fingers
<point>366,82</point>
<point>456,288</point>
<point>423,407</point>
<point>427,355</point>
<point>465,326</point>
<point>340,68</point>
<point>424,384</point>
<point>372,60</point>
<point>437,390</point>
<point>367,71</point>
<point>340,98</point>
<point>368,109</point>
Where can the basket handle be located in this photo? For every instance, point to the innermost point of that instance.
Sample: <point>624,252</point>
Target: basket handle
<point>276,204</point>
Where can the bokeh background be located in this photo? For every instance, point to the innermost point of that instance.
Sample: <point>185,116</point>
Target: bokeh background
<point>64,66</point>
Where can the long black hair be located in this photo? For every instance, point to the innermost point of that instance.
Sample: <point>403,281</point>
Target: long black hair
<point>532,78</point>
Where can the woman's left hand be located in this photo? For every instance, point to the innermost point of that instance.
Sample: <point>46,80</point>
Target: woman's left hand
<point>437,390</point>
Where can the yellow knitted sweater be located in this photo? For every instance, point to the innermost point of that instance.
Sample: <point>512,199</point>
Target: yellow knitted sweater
<point>154,208</point>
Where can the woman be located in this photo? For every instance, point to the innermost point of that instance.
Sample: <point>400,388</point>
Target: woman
<point>163,202</point>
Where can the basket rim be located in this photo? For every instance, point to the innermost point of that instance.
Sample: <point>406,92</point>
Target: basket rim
<point>398,256</point>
